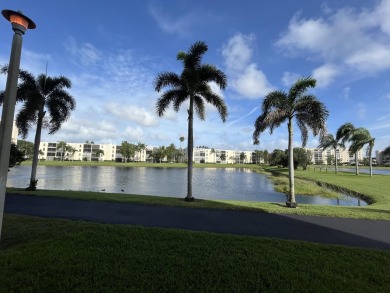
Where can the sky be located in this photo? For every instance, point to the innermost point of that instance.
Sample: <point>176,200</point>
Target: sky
<point>113,50</point>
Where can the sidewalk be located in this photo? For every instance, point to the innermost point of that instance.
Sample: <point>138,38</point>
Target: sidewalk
<point>349,232</point>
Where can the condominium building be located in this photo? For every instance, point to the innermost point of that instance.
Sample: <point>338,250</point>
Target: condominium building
<point>327,156</point>
<point>382,159</point>
<point>111,152</point>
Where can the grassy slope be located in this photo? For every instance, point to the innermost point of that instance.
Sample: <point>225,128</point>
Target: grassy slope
<point>63,256</point>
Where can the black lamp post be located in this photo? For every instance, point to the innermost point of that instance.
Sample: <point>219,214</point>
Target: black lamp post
<point>20,24</point>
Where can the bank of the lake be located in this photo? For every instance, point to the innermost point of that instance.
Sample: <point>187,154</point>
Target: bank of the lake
<point>229,183</point>
<point>375,187</point>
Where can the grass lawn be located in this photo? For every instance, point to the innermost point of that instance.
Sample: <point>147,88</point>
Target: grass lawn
<point>46,255</point>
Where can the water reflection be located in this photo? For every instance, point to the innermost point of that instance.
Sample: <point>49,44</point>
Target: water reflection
<point>210,183</point>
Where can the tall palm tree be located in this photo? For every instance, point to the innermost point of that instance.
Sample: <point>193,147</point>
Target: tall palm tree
<point>309,113</point>
<point>360,137</point>
<point>41,95</point>
<point>342,135</point>
<point>193,85</point>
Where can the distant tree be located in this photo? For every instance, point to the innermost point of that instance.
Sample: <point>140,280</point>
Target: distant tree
<point>27,147</point>
<point>42,97</point>
<point>309,113</point>
<point>127,150</point>
<point>266,156</point>
<point>302,157</point>
<point>16,156</point>
<point>99,153</point>
<point>278,158</point>
<point>170,152</point>
<point>387,151</point>
<point>140,148</point>
<point>360,137</point>
<point>342,135</point>
<point>160,154</point>
<point>223,157</point>
<point>242,157</point>
<point>330,159</point>
<point>192,85</point>
<point>61,147</point>
<point>71,150</point>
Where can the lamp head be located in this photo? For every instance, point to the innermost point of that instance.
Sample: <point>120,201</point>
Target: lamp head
<point>16,18</point>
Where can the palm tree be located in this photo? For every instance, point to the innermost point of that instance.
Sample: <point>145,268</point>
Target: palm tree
<point>329,141</point>
<point>72,151</point>
<point>61,147</point>
<point>98,154</point>
<point>193,85</point>
<point>360,137</point>
<point>309,113</point>
<point>139,148</point>
<point>41,95</point>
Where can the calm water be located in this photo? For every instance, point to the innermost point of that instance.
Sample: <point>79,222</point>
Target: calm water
<point>230,183</point>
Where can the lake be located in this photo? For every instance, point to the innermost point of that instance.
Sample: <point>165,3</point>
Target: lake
<point>208,183</point>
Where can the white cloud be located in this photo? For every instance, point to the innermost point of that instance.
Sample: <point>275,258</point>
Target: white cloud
<point>246,78</point>
<point>252,83</point>
<point>325,74</point>
<point>348,37</point>
<point>133,134</point>
<point>238,52</point>
<point>289,78</point>
<point>346,92</point>
<point>86,52</point>
<point>132,113</point>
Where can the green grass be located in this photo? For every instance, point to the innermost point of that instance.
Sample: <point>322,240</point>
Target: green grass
<point>42,255</point>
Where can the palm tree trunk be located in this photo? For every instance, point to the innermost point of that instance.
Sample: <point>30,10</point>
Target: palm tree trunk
<point>37,141</point>
<point>370,159</point>
<point>291,197</point>
<point>356,164</point>
<point>335,161</point>
<point>190,149</point>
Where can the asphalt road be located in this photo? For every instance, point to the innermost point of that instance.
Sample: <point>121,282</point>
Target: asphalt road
<point>348,232</point>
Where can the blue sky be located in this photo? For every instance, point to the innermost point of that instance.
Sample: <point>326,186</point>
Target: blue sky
<point>112,51</point>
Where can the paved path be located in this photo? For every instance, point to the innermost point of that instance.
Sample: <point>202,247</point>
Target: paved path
<point>350,232</point>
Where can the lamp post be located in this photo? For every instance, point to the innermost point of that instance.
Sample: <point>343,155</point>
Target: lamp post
<point>20,24</point>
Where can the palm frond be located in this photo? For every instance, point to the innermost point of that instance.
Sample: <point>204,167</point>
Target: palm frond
<point>164,101</point>
<point>217,102</point>
<point>300,87</point>
<point>304,132</point>
<point>344,132</point>
<point>209,73</point>
<point>199,107</point>
<point>59,105</point>
<point>194,56</point>
<point>327,141</point>
<point>166,79</point>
